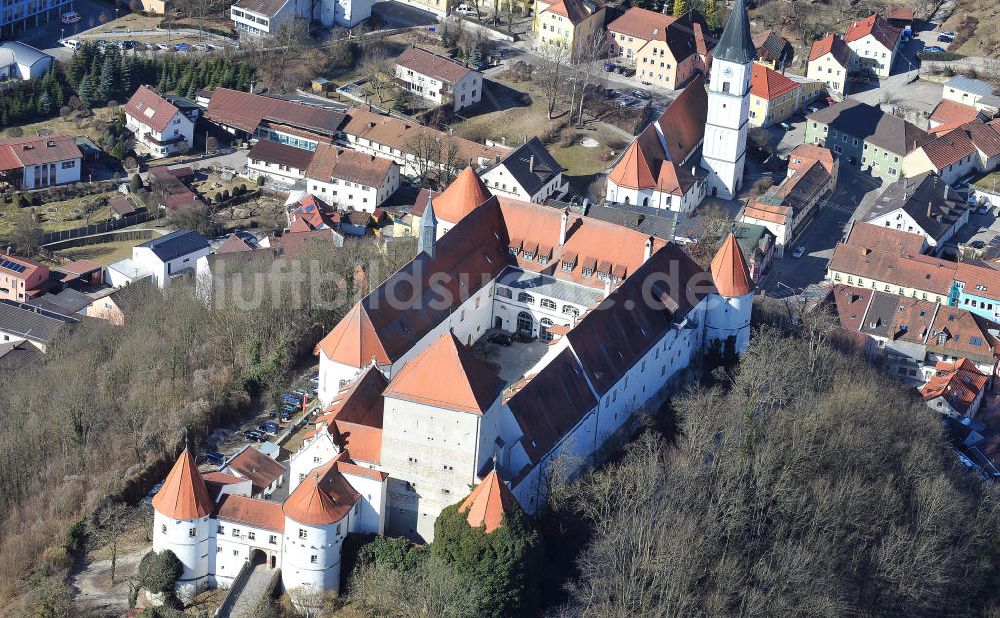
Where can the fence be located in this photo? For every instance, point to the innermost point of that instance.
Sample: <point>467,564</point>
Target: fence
<point>98,228</point>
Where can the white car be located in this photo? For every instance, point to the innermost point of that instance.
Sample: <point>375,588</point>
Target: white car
<point>799,252</point>
<point>465,9</point>
<point>161,46</point>
<point>71,43</point>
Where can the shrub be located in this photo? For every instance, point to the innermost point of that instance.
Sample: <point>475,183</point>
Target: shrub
<point>217,197</point>
<point>260,181</point>
<point>158,572</point>
<point>15,132</point>
<point>135,183</point>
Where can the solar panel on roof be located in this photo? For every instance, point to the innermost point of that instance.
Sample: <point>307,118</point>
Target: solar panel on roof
<point>14,266</point>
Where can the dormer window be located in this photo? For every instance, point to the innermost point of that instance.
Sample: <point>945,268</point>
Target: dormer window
<point>587,272</point>
<point>514,251</point>
<point>567,267</point>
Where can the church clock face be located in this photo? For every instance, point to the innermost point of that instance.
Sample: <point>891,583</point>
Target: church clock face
<point>727,72</point>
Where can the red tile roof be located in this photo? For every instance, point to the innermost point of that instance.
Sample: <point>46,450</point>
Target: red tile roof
<point>447,375</point>
<point>729,270</point>
<point>332,161</point>
<point>281,154</point>
<point>488,503</point>
<point>948,149</point>
<point>150,109</point>
<point>433,65</point>
<point>359,402</point>
<point>26,151</point>
<point>769,84</point>
<point>263,514</point>
<point>803,156</point>
<point>324,497</point>
<point>959,383</point>
<point>353,341</point>
<point>361,442</point>
<point>832,44</point>
<point>641,23</point>
<point>637,167</point>
<point>183,494</point>
<point>573,10</point>
<point>919,272</point>
<point>346,467</point>
<point>256,466</point>
<point>233,244</point>
<point>852,304</point>
<point>885,239</point>
<point>951,112</point>
<point>245,111</point>
<point>882,31</point>
<point>461,197</point>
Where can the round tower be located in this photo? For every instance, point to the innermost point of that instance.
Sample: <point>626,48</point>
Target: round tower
<point>317,518</point>
<point>181,523</point>
<point>727,321</point>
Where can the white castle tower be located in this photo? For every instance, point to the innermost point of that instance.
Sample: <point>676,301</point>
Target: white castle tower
<point>724,149</point>
<point>318,515</point>
<point>728,316</point>
<point>181,523</point>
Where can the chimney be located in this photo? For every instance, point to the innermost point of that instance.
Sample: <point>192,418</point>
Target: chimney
<point>930,207</point>
<point>531,164</point>
<point>607,286</point>
<point>648,250</point>
<point>525,139</point>
<point>563,221</point>
<point>498,158</point>
<point>503,140</point>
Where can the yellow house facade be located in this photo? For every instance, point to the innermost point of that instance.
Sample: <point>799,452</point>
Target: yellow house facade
<point>568,24</point>
<point>775,97</point>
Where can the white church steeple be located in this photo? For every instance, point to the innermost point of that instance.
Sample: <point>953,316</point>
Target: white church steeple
<point>724,149</point>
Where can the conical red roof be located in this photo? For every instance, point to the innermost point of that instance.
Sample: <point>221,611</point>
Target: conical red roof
<point>488,502</point>
<point>447,375</point>
<point>635,170</point>
<point>183,495</point>
<point>729,270</point>
<point>322,498</point>
<point>462,196</point>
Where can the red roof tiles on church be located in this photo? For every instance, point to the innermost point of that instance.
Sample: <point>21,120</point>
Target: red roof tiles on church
<point>462,196</point>
<point>183,495</point>
<point>729,270</point>
<point>324,497</point>
<point>353,341</point>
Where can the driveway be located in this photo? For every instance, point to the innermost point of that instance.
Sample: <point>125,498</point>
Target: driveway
<point>46,36</point>
<point>398,15</point>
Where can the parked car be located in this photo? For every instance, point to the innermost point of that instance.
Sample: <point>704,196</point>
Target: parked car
<point>625,101</point>
<point>286,416</point>
<point>268,427</point>
<point>786,126</point>
<point>500,339</point>
<point>977,244</point>
<point>70,17</point>
<point>71,43</point>
<point>799,252</point>
<point>254,435</point>
<point>182,47</point>
<point>290,398</point>
<point>934,49</point>
<point>465,9</point>
<point>949,33</point>
<point>609,67</point>
<point>945,38</point>
<point>639,94</point>
<point>216,459</point>
<point>161,47</point>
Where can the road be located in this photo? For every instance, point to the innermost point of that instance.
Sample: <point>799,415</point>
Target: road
<point>790,275</point>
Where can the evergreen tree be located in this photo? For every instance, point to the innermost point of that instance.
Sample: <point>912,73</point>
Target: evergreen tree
<point>504,562</point>
<point>680,7</point>
<point>87,92</point>
<point>712,18</point>
<point>109,80</point>
<point>44,104</point>
<point>475,56</point>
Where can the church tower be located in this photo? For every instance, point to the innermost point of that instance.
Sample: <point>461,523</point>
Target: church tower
<point>428,230</point>
<point>730,307</point>
<point>724,149</point>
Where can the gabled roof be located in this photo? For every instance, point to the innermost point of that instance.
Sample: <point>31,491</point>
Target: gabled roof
<point>25,151</point>
<point>359,402</point>
<point>447,375</point>
<point>489,501</point>
<point>331,161</point>
<point>729,270</point>
<point>882,31</point>
<point>550,403</point>
<point>950,112</point>
<point>176,244</point>
<point>256,466</point>
<point>433,65</point>
<point>972,86</point>
<point>923,199</point>
<point>461,197</point>
<point>245,111</point>
<point>769,84</point>
<point>183,494</point>
<point>957,332</point>
<point>682,123</point>
<point>150,109</point>
<point>574,10</point>
<point>871,124</point>
<point>736,44</point>
<point>831,44</point>
<point>885,239</point>
<point>985,137</point>
<point>641,23</point>
<point>233,244</point>
<point>608,341</point>
<point>852,305</point>
<point>637,168</point>
<point>770,45</point>
<point>898,318</point>
<point>531,165</point>
<point>959,383</point>
<point>280,154</point>
<point>32,323</point>
<point>324,497</point>
<point>919,272</point>
<point>264,514</point>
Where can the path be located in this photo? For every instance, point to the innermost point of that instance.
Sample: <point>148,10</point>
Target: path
<point>253,591</point>
<point>92,583</point>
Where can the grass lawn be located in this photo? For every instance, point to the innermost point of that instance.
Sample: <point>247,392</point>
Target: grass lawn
<point>990,182</point>
<point>63,215</point>
<point>75,127</point>
<point>103,253</point>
